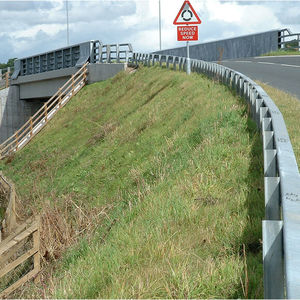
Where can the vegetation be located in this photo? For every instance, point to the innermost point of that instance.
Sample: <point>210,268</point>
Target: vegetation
<point>10,63</point>
<point>290,109</point>
<point>281,52</point>
<point>291,48</point>
<point>150,185</point>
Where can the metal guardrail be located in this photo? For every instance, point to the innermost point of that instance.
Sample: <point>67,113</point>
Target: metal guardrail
<point>285,37</point>
<point>72,56</point>
<point>281,227</point>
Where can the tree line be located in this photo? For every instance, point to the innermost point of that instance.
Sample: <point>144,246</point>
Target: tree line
<point>10,63</point>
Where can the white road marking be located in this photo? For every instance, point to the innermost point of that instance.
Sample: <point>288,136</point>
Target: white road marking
<point>293,66</point>
<point>266,63</point>
<point>243,61</point>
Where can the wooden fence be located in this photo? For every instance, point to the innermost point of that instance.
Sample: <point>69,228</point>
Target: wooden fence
<point>16,251</point>
<point>5,79</point>
<point>9,221</point>
<point>45,113</point>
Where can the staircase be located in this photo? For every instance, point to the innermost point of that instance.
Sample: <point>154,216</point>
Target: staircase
<point>35,124</point>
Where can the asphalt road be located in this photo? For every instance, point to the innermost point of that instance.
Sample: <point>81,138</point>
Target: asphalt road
<point>282,72</point>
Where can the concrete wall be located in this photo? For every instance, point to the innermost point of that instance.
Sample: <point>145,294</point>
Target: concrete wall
<point>99,72</point>
<point>239,47</point>
<point>14,112</point>
<point>44,85</point>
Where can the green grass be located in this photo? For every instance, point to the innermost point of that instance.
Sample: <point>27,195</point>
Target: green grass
<point>289,106</point>
<point>169,170</point>
<point>282,52</point>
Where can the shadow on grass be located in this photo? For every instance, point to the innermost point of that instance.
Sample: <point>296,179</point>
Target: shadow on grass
<point>250,245</point>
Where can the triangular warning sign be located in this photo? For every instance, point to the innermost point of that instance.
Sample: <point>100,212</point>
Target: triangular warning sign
<point>187,15</point>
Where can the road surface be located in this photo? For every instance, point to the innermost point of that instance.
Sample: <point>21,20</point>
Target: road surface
<point>282,72</point>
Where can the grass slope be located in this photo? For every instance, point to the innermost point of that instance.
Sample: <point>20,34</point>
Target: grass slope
<point>282,52</point>
<point>165,172</point>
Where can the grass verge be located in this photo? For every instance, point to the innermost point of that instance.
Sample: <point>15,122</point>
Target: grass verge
<point>150,185</point>
<point>290,108</point>
<point>282,52</point>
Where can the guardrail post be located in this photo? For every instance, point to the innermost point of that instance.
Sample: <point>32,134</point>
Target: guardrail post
<point>270,167</point>
<point>167,61</point>
<point>258,104</point>
<point>266,124</point>
<point>273,260</point>
<point>272,198</point>
<point>150,57</point>
<point>263,113</point>
<point>174,63</point>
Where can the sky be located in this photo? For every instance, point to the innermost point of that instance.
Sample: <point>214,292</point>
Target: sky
<point>31,27</point>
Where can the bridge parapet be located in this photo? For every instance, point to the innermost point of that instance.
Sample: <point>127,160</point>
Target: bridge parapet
<point>73,56</point>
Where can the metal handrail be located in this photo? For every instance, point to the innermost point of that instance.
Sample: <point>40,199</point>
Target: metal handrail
<point>282,36</point>
<point>73,56</point>
<point>281,227</point>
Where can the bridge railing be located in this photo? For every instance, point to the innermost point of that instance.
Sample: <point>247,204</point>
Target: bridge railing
<point>73,56</point>
<point>281,227</point>
<point>115,53</point>
<point>288,40</point>
<point>45,113</point>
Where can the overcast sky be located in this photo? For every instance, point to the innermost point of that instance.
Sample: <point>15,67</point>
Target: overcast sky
<point>31,27</point>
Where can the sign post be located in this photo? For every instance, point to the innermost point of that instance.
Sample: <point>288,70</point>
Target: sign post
<point>187,16</point>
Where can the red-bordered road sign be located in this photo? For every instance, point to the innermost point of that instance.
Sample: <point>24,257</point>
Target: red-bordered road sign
<point>187,15</point>
<point>187,33</point>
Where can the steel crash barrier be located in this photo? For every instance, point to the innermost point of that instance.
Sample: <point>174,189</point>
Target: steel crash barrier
<point>281,227</point>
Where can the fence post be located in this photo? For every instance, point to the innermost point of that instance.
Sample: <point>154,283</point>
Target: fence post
<point>59,97</point>
<point>45,112</point>
<point>73,84</point>
<point>31,127</point>
<point>7,79</point>
<point>10,214</point>
<point>36,245</point>
<point>84,73</point>
<point>17,141</point>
